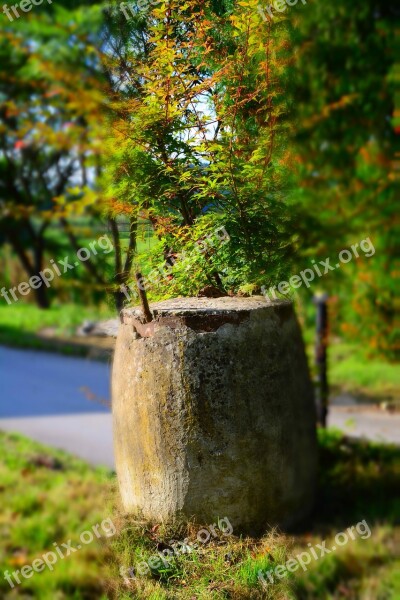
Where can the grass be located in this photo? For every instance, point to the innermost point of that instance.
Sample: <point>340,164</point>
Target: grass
<point>352,370</point>
<point>21,323</point>
<point>358,481</point>
<point>50,497</point>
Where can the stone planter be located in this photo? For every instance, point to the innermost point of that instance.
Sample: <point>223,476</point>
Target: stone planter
<point>213,413</point>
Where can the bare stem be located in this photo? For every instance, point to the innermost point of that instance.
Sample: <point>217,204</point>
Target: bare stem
<point>143,299</point>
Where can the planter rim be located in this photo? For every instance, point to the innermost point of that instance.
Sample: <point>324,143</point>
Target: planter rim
<point>195,305</point>
<point>199,314</point>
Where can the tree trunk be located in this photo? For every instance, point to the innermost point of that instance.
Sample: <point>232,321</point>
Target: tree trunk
<point>119,298</point>
<point>42,297</point>
<point>41,293</point>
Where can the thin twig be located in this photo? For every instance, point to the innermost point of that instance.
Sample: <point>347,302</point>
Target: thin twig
<point>143,299</point>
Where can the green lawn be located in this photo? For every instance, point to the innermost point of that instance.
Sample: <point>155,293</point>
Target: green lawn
<point>49,497</point>
<point>20,323</point>
<point>352,370</point>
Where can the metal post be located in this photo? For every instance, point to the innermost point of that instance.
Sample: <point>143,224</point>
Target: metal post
<point>321,346</point>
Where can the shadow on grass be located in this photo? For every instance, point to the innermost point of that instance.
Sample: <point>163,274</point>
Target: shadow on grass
<point>357,480</point>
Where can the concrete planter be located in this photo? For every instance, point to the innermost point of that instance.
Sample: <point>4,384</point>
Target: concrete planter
<point>213,413</point>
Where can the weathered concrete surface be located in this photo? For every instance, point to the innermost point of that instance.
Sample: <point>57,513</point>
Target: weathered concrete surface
<point>213,413</point>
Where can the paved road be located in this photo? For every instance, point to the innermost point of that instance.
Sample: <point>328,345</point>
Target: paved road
<point>359,422</point>
<point>60,401</point>
<point>57,400</point>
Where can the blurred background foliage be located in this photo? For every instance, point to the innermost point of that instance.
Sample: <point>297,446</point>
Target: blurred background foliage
<point>73,116</point>
<point>346,103</point>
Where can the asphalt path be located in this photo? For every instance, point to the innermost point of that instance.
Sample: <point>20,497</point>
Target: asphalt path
<point>364,422</point>
<point>58,400</point>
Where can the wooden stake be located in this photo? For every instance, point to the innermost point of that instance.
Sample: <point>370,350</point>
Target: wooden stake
<point>321,356</point>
